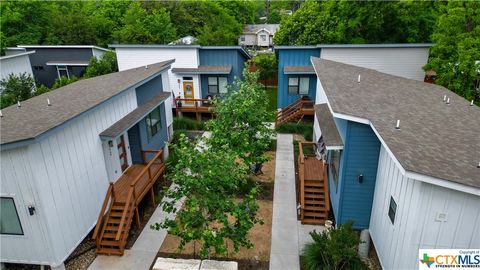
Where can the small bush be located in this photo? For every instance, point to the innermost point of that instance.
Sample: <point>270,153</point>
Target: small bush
<point>177,134</point>
<point>335,249</point>
<point>303,129</point>
<point>183,123</point>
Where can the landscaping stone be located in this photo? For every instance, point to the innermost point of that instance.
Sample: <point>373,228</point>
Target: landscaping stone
<point>176,264</point>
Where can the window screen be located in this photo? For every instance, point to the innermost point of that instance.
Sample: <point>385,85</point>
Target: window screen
<point>9,220</point>
<point>222,82</point>
<point>293,85</point>
<point>392,210</point>
<point>213,85</point>
<point>154,122</point>
<point>304,84</point>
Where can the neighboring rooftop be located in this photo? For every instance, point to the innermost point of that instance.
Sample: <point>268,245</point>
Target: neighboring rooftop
<point>202,69</point>
<point>34,117</point>
<point>435,138</point>
<point>254,28</point>
<point>16,55</point>
<point>61,47</point>
<point>348,46</point>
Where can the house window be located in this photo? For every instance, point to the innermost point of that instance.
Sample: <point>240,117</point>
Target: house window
<point>9,220</point>
<point>187,78</point>
<point>217,85</point>
<point>298,85</point>
<point>335,156</point>
<point>154,122</point>
<point>62,71</point>
<point>263,37</point>
<point>392,210</point>
<point>242,38</point>
<point>38,67</point>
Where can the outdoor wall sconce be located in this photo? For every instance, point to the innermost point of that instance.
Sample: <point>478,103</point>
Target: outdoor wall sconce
<point>360,178</point>
<point>31,210</point>
<point>110,143</point>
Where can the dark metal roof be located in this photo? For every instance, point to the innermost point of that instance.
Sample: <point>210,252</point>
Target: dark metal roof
<point>204,70</point>
<point>298,70</point>
<point>134,116</point>
<point>435,139</point>
<point>329,130</point>
<point>387,45</point>
<point>34,117</point>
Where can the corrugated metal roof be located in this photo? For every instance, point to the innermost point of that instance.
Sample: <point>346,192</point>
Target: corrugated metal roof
<point>34,117</point>
<point>435,139</point>
<point>67,63</point>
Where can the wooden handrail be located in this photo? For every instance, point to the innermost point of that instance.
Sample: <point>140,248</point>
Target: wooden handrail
<point>102,211</point>
<point>325,186</point>
<point>132,191</point>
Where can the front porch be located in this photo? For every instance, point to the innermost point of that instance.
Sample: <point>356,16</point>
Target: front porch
<point>196,106</point>
<point>121,203</point>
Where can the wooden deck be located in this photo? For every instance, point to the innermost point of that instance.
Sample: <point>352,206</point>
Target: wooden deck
<point>314,196</point>
<point>194,105</point>
<point>295,111</point>
<point>121,203</point>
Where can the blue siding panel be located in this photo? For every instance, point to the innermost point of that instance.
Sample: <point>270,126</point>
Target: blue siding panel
<point>294,57</point>
<point>361,155</point>
<point>221,57</point>
<point>148,90</point>
<point>158,140</point>
<point>135,145</point>
<point>335,189</point>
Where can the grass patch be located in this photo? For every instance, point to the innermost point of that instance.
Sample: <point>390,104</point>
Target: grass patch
<point>183,123</point>
<point>272,99</point>
<point>303,129</point>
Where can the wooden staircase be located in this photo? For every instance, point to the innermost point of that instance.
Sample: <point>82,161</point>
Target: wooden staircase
<point>295,111</point>
<point>314,196</point>
<point>121,204</point>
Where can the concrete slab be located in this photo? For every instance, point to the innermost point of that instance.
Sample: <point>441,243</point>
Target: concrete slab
<point>304,234</point>
<point>176,264</point>
<point>218,265</point>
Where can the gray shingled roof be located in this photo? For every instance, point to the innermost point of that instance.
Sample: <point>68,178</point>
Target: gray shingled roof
<point>434,138</point>
<point>34,117</point>
<point>329,130</point>
<point>254,28</point>
<point>134,116</point>
<point>298,70</point>
<point>202,69</point>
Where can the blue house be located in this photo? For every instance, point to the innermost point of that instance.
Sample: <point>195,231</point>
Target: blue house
<point>402,160</point>
<point>297,79</point>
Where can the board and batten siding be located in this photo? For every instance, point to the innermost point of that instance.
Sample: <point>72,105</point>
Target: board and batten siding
<point>67,181</point>
<point>294,57</point>
<point>416,225</point>
<point>128,58</point>
<point>403,62</point>
<point>16,65</point>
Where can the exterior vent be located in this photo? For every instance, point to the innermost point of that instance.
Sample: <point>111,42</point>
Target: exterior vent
<point>48,102</point>
<point>18,104</point>
<point>358,81</point>
<point>398,124</point>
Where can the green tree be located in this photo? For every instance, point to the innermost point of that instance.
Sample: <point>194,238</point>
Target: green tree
<point>209,179</point>
<point>241,121</point>
<point>62,81</point>
<point>267,66</point>
<point>142,27</point>
<point>16,88</point>
<point>105,65</point>
<point>456,52</point>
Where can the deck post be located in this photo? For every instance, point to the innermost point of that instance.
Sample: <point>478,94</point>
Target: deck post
<point>152,194</point>
<point>137,216</point>
<point>199,117</point>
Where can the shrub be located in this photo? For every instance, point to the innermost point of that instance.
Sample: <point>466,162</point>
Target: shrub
<point>16,87</point>
<point>335,249</point>
<point>303,129</point>
<point>183,123</point>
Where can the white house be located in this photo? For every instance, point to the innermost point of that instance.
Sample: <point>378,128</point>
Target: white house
<point>15,63</point>
<point>61,151</point>
<point>258,35</point>
<point>407,167</point>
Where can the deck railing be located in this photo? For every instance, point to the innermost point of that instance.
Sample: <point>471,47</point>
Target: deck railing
<point>109,199</point>
<point>301,106</point>
<point>134,196</point>
<point>189,103</point>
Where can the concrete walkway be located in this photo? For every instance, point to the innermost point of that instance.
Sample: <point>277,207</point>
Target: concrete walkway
<point>144,250</point>
<point>284,252</point>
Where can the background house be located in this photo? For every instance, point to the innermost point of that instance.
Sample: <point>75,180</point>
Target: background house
<point>296,77</point>
<point>50,62</point>
<point>258,35</point>
<point>60,150</point>
<point>15,62</point>
<point>415,186</point>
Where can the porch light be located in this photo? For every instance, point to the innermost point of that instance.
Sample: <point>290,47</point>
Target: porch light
<point>110,143</point>
<point>360,178</point>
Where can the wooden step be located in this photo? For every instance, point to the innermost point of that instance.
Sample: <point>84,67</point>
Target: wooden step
<point>111,228</point>
<point>109,243</point>
<point>314,190</point>
<point>116,214</point>
<point>109,251</point>
<point>317,197</point>
<point>314,202</point>
<point>118,207</point>
<point>314,208</point>
<point>315,214</point>
<point>313,221</point>
<point>109,235</point>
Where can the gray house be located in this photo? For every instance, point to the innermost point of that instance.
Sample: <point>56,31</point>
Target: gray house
<point>258,35</point>
<point>51,62</point>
